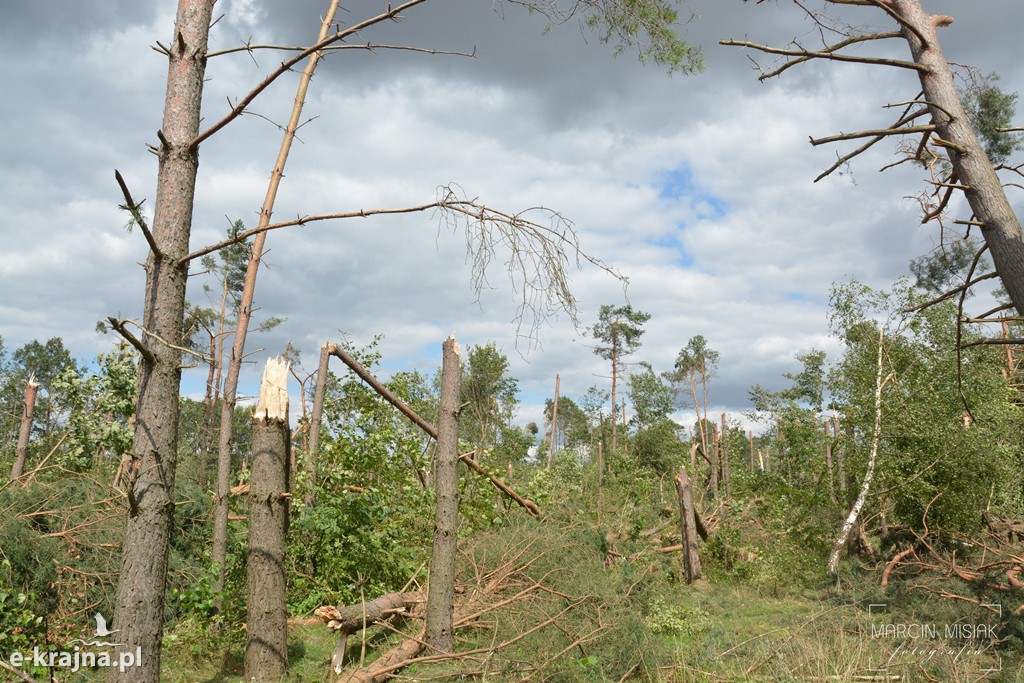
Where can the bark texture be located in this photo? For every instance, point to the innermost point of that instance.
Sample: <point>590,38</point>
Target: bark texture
<point>139,605</point>
<point>441,583</point>
<point>25,431</point>
<point>999,224</point>
<point>266,654</point>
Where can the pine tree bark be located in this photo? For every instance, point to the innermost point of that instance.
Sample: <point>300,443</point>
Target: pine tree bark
<point>25,431</point>
<point>441,582</point>
<point>139,604</point>
<point>999,224</point>
<point>266,654</point>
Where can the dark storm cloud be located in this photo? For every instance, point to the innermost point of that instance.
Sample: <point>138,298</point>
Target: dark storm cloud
<point>535,117</point>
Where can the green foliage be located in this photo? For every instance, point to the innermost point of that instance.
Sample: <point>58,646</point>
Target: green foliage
<point>927,456</point>
<point>990,109</point>
<point>20,626</point>
<point>372,518</point>
<point>676,619</point>
<point>659,446</point>
<point>100,406</point>
<point>649,25</point>
<point>651,398</point>
<point>947,266</point>
<point>618,331</point>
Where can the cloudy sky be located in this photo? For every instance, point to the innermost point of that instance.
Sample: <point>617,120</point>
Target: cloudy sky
<point>699,189</point>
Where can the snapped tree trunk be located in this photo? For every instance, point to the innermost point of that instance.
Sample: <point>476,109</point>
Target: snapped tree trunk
<point>266,654</point>
<point>139,604</point>
<point>688,526</point>
<point>220,527</point>
<point>25,431</point>
<point>441,582</point>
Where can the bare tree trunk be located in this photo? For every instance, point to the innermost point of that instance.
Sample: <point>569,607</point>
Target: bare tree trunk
<point>209,415</point>
<point>554,421</point>
<point>313,451</point>
<point>266,654</point>
<point>21,452</point>
<point>441,581</point>
<point>220,525</point>
<point>615,377</point>
<point>841,456</point>
<point>750,436</point>
<point>999,224</point>
<point>716,464</point>
<point>852,518</point>
<point>828,463</point>
<point>688,526</point>
<point>600,477</point>
<point>724,457</point>
<point>139,605</point>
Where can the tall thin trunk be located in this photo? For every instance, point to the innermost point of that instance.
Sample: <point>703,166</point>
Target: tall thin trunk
<point>750,435</point>
<point>209,415</point>
<point>313,451</point>
<point>441,579</point>
<point>851,519</point>
<point>971,167</point>
<point>554,421</point>
<point>828,463</point>
<point>220,522</point>
<point>724,459</point>
<point>266,654</point>
<point>25,431</point>
<point>615,377</point>
<point>139,604</point>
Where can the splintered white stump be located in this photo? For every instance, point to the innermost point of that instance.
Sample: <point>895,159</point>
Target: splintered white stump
<point>266,654</point>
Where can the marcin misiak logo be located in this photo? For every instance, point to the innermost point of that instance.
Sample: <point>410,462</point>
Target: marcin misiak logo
<point>102,653</point>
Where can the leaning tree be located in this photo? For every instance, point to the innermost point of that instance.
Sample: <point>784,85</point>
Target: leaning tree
<point>939,130</point>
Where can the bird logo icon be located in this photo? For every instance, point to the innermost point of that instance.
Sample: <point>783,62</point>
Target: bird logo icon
<point>101,632</point>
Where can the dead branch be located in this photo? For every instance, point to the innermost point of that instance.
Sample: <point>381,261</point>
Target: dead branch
<point>119,326</point>
<point>892,565</point>
<point>806,55</point>
<point>883,132</point>
<point>392,13</point>
<point>135,210</point>
<point>370,47</point>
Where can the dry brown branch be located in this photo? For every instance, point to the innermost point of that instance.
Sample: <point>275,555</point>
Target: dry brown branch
<point>883,132</point>
<point>392,13</point>
<point>824,54</point>
<point>892,565</point>
<point>370,47</point>
<point>135,210</point>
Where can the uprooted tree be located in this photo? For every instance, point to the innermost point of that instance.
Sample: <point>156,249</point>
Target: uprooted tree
<point>946,134</point>
<point>543,250</point>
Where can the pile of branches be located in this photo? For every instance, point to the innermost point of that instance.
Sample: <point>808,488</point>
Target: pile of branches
<point>503,610</point>
<point>990,561</point>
